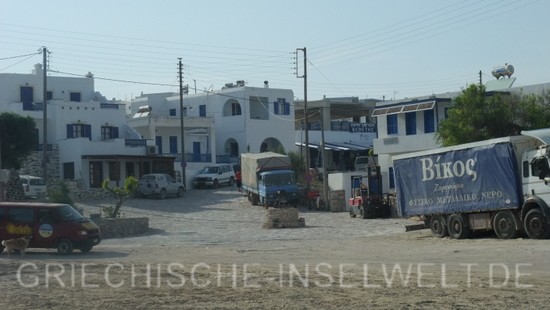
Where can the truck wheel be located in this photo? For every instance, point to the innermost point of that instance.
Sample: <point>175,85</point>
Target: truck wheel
<point>504,224</point>
<point>64,246</point>
<point>438,226</point>
<point>215,184</point>
<point>255,199</point>
<point>535,225</point>
<point>231,181</point>
<point>458,226</point>
<point>180,191</point>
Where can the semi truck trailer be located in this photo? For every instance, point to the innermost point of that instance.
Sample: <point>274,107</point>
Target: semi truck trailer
<point>500,184</point>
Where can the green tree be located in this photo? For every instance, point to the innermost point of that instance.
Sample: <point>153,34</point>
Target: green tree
<point>478,115</point>
<point>120,193</point>
<point>17,139</point>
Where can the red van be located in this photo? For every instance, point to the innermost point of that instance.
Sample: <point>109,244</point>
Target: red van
<point>51,225</point>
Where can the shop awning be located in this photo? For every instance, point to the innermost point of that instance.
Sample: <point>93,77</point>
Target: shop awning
<point>341,146</point>
<point>421,106</point>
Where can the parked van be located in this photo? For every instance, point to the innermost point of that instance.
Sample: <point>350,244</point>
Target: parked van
<point>51,225</point>
<point>33,186</point>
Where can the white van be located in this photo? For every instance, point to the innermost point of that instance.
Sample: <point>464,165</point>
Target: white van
<point>33,186</point>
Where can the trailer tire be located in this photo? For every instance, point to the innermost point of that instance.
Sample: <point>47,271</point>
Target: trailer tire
<point>504,224</point>
<point>438,226</point>
<point>535,225</point>
<point>458,226</point>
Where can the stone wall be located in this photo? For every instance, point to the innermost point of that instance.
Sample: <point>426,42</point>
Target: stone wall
<point>32,165</point>
<point>122,227</point>
<point>283,218</point>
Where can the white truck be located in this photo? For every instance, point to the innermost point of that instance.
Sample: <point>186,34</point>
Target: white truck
<point>499,184</point>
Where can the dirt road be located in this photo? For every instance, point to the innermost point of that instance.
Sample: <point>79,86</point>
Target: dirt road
<point>208,250</point>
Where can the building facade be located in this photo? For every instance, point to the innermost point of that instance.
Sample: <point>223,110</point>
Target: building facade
<point>90,133</point>
<point>218,125</point>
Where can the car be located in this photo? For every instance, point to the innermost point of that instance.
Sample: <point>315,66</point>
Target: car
<point>161,185</point>
<point>215,175</point>
<point>33,186</point>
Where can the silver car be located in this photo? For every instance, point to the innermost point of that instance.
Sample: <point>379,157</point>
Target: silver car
<point>161,185</point>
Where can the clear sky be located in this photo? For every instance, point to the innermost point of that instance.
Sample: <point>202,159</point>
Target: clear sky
<point>363,48</point>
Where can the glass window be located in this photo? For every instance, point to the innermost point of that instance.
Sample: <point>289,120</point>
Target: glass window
<point>429,124</point>
<point>172,112</point>
<point>410,123</point>
<point>392,124</point>
<point>74,97</point>
<point>21,215</point>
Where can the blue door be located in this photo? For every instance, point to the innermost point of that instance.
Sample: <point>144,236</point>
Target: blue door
<point>196,151</point>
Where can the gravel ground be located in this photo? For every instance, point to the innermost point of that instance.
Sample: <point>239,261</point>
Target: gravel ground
<point>207,250</point>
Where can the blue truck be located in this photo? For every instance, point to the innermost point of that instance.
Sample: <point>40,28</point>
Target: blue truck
<point>499,184</point>
<point>267,179</point>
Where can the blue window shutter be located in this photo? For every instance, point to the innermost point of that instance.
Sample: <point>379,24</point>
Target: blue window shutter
<point>69,131</point>
<point>88,131</point>
<point>287,108</point>
<point>114,132</point>
<point>276,108</point>
<point>202,110</point>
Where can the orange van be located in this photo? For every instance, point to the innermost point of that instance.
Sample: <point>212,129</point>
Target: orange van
<point>51,225</point>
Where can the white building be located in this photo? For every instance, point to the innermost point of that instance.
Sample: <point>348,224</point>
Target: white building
<point>409,125</point>
<point>87,136</point>
<point>218,125</point>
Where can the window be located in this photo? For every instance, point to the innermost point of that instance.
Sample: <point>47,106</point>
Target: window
<point>235,108</point>
<point>410,123</point>
<point>68,171</point>
<point>49,95</point>
<point>74,97</point>
<point>202,110</point>
<point>429,124</point>
<point>109,132</point>
<point>281,107</point>
<point>173,144</point>
<point>21,215</point>
<point>79,130</point>
<point>26,93</point>
<point>392,124</point>
<point>172,112</point>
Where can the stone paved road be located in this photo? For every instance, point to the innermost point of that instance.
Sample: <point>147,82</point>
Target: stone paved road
<point>224,216</point>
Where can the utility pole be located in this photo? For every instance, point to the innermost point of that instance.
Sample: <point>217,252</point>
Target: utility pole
<point>306,119</point>
<point>45,115</point>
<point>480,81</point>
<point>182,139</point>
<point>325,159</point>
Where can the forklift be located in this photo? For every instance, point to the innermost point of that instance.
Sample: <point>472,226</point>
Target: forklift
<point>367,199</point>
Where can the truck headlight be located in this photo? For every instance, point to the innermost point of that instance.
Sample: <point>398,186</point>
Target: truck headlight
<point>83,232</point>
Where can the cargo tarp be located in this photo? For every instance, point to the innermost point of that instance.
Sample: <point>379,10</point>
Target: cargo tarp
<point>469,180</point>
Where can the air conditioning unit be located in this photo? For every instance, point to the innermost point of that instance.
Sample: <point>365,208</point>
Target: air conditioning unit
<point>151,150</point>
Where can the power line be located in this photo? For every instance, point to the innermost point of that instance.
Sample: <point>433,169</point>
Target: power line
<point>19,56</point>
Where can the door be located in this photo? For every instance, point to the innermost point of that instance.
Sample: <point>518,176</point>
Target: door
<point>96,174</point>
<point>196,151</point>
